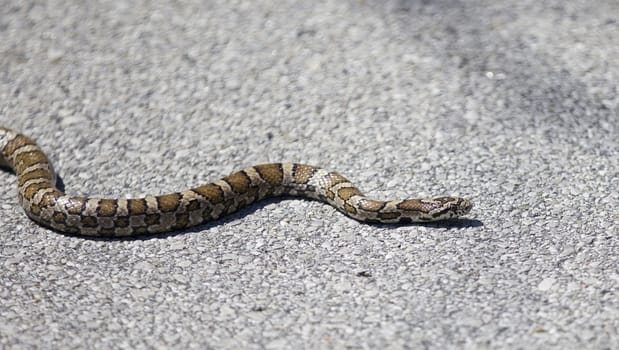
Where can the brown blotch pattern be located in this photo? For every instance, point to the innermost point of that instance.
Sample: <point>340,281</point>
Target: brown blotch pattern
<point>136,206</point>
<point>151,219</point>
<point>32,189</point>
<point>211,192</point>
<point>122,221</point>
<point>89,221</point>
<point>239,181</point>
<point>347,192</point>
<point>271,173</point>
<point>107,207</point>
<point>389,215</point>
<point>252,192</point>
<point>28,159</point>
<point>335,179</point>
<point>193,205</point>
<point>16,144</point>
<point>35,210</point>
<point>182,220</point>
<point>59,217</point>
<point>350,209</point>
<point>35,174</point>
<point>168,202</point>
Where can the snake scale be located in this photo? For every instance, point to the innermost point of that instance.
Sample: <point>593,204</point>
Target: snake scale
<point>117,217</point>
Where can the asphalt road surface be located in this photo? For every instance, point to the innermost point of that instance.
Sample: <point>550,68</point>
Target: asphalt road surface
<point>513,104</point>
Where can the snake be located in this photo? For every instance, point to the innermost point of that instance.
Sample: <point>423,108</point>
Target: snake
<point>50,207</point>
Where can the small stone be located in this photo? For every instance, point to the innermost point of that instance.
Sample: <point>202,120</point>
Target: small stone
<point>546,284</point>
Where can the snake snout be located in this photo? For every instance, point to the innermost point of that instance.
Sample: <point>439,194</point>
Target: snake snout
<point>463,206</point>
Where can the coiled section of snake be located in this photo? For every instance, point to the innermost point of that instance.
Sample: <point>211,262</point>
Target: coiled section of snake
<point>117,217</point>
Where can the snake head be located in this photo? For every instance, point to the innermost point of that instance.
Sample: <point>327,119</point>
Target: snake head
<point>451,207</point>
<point>462,206</point>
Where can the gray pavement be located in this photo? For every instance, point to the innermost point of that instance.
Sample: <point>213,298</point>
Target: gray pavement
<point>513,104</point>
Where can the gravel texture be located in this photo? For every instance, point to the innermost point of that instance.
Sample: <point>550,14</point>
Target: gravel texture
<point>514,104</point>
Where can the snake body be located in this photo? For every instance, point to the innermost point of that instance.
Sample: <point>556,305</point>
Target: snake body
<point>117,217</point>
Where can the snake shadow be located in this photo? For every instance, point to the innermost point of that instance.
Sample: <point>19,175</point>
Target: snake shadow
<point>459,223</point>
